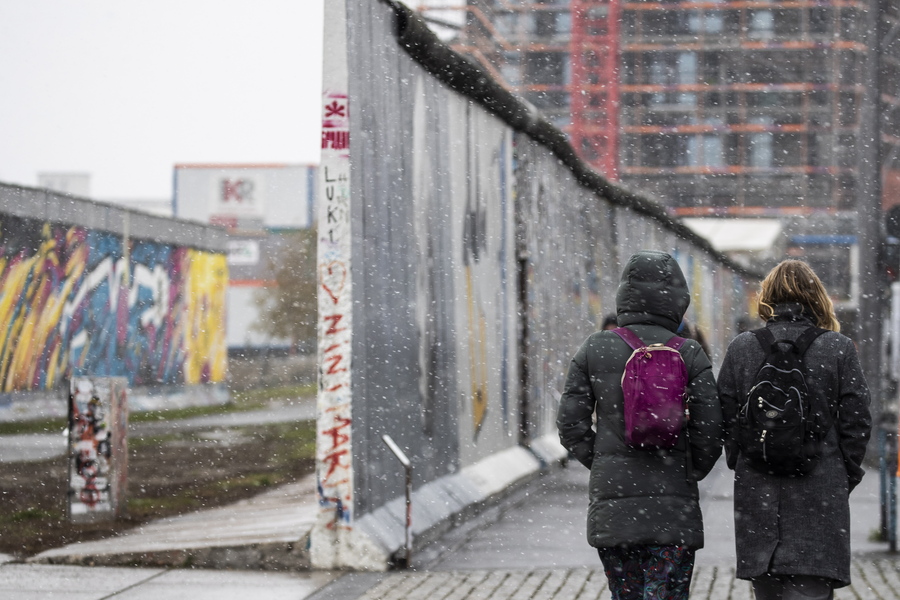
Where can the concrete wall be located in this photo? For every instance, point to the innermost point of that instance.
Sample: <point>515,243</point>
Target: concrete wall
<point>92,289</point>
<point>573,245</point>
<point>461,264</point>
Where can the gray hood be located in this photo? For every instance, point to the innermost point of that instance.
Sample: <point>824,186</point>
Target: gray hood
<point>653,290</point>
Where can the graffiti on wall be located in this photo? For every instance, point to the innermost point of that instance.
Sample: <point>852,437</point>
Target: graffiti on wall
<point>206,280</point>
<point>98,451</point>
<point>333,405</point>
<point>487,326</point>
<point>78,301</point>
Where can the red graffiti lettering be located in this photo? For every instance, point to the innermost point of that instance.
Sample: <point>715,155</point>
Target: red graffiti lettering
<point>336,140</point>
<point>333,278</point>
<point>335,388</point>
<point>335,361</point>
<point>335,109</point>
<point>338,438</point>
<point>330,293</point>
<point>333,460</point>
<point>334,319</point>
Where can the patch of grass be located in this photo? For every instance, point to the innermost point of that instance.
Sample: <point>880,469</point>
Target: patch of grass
<point>876,536</point>
<point>55,425</point>
<point>263,395</point>
<point>138,441</point>
<point>297,440</point>
<point>183,413</point>
<point>176,503</point>
<point>240,401</point>
<point>250,481</point>
<point>31,514</point>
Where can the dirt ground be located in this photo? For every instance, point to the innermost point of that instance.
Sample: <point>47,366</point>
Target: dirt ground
<point>167,475</point>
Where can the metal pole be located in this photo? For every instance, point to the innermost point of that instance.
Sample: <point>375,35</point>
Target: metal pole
<point>407,466</point>
<point>868,207</point>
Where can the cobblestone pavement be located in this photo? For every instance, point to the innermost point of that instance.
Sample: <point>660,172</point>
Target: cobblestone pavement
<point>873,579</point>
<point>533,547</point>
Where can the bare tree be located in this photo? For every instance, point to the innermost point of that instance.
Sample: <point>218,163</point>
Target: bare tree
<point>288,310</point>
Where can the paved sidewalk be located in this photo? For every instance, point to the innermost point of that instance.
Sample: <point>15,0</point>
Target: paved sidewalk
<point>46,582</point>
<point>877,579</point>
<point>268,531</point>
<point>534,548</point>
<point>531,547</point>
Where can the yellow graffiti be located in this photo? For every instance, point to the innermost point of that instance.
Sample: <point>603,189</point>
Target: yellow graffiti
<point>206,276</point>
<point>31,309</point>
<point>478,373</point>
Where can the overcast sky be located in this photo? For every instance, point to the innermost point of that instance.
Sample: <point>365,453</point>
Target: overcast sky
<point>124,90</point>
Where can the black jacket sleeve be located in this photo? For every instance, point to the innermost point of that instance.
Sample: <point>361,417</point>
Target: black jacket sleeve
<point>729,397</point>
<point>574,419</point>
<point>705,424</point>
<point>854,422</point>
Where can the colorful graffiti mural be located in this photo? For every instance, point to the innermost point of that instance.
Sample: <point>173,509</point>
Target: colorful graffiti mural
<point>76,302</point>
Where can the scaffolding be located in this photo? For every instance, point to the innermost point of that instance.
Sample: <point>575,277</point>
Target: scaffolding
<point>594,57</point>
<point>736,105</point>
<point>716,107</point>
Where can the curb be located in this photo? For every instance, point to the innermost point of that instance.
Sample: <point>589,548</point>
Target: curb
<point>446,503</point>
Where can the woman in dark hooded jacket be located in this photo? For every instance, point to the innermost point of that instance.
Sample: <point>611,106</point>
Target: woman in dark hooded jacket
<point>793,532</point>
<point>644,515</point>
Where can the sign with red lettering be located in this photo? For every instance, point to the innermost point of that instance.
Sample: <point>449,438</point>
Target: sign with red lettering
<point>237,193</point>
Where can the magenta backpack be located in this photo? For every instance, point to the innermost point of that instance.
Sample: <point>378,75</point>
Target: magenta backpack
<point>655,388</point>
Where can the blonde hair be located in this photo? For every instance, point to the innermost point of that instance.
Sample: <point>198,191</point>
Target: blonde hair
<point>795,281</point>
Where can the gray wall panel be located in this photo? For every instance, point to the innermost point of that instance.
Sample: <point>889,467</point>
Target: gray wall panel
<point>45,205</point>
<point>444,233</point>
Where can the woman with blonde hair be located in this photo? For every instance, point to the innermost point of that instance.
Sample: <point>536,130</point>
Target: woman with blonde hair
<point>792,510</point>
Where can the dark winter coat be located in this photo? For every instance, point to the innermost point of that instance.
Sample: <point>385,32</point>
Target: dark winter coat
<point>640,497</point>
<point>799,526</point>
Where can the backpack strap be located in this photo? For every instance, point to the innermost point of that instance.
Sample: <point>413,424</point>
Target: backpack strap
<point>807,338</point>
<point>767,340</point>
<point>629,337</point>
<point>635,342</point>
<point>675,342</point>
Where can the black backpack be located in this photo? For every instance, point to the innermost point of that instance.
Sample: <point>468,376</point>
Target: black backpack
<point>780,431</point>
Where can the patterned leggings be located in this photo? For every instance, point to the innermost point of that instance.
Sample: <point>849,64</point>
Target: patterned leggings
<point>648,572</point>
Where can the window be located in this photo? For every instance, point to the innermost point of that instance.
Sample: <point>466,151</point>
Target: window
<point>761,150</point>
<point>762,24</point>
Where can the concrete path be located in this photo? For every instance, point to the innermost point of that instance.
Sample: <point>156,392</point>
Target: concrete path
<point>268,531</point>
<point>43,582</point>
<point>534,548</point>
<point>877,579</point>
<point>41,446</point>
<point>531,547</point>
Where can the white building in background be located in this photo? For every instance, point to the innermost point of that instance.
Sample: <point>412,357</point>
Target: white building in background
<point>251,197</point>
<point>257,203</point>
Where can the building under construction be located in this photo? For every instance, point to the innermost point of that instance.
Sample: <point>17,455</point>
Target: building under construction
<point>733,105</point>
<point>716,108</point>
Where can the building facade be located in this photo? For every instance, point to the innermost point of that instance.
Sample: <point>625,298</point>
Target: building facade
<point>729,108</point>
<point>258,204</point>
